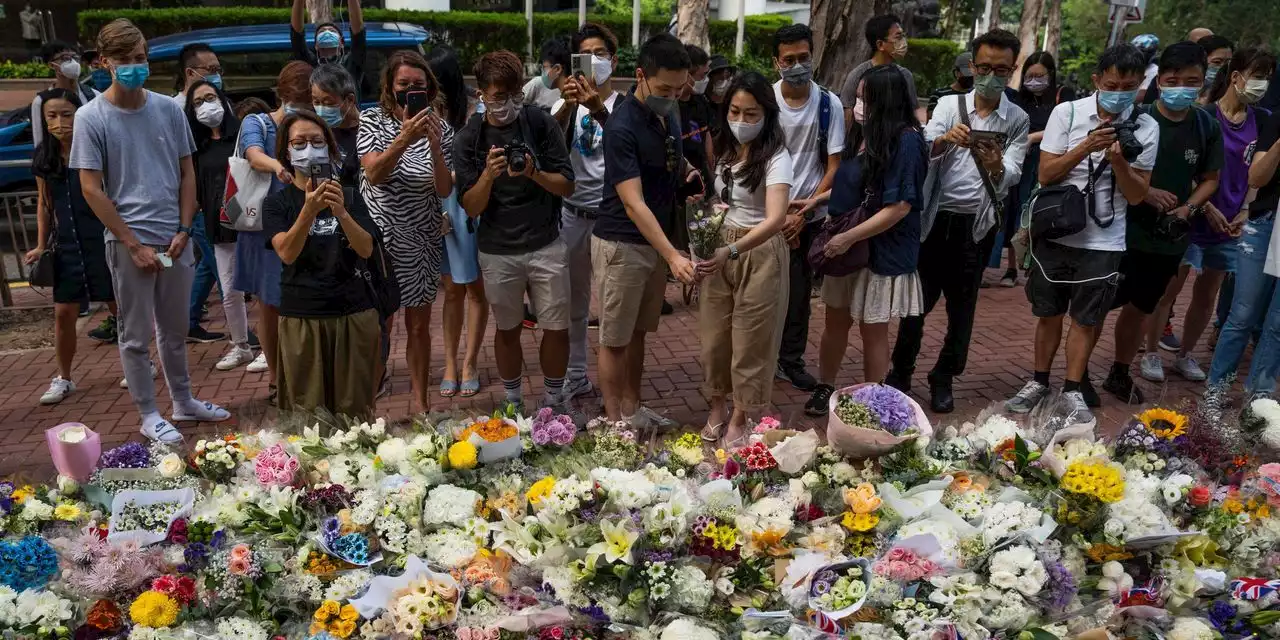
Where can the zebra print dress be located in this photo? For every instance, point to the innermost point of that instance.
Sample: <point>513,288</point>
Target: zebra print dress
<point>406,207</point>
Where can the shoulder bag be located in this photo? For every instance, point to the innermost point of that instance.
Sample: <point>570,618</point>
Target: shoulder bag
<point>42,272</point>
<point>1063,209</point>
<point>246,189</point>
<point>858,255</point>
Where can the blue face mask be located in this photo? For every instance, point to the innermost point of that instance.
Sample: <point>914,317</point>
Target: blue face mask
<point>290,109</point>
<point>328,39</point>
<point>1115,102</point>
<point>132,76</point>
<point>214,79</point>
<point>1178,98</point>
<point>331,115</point>
<point>1210,74</point>
<point>100,79</point>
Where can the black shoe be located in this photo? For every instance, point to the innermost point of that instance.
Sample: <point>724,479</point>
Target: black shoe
<point>253,341</point>
<point>1090,394</point>
<point>201,335</point>
<point>1121,386</point>
<point>593,323</point>
<point>820,402</point>
<point>667,309</point>
<point>106,331</point>
<point>797,376</point>
<point>941,399</point>
<point>900,382</point>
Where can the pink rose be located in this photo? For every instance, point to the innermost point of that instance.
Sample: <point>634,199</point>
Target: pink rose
<point>238,567</point>
<point>1269,482</point>
<point>241,552</point>
<point>899,570</point>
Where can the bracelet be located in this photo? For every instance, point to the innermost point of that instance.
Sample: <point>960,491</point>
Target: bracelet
<point>1194,209</point>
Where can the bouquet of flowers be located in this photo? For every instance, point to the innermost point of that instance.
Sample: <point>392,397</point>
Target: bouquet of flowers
<point>839,590</point>
<point>551,430</point>
<point>704,220</point>
<point>872,419</point>
<point>496,438</point>
<point>217,459</point>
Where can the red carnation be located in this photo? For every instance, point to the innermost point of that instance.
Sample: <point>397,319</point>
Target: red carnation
<point>186,590</point>
<point>1200,496</point>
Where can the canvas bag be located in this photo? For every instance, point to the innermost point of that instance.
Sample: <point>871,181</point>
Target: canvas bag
<point>244,193</point>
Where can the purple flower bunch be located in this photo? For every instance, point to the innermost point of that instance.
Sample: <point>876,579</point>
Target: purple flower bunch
<point>130,455</point>
<point>549,428</point>
<point>1137,439</point>
<point>1060,589</point>
<point>889,405</point>
<point>823,581</point>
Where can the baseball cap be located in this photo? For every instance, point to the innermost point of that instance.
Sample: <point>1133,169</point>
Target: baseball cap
<point>962,64</point>
<point>720,62</point>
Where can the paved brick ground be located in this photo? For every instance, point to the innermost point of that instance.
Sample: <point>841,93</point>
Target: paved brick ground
<point>999,363</point>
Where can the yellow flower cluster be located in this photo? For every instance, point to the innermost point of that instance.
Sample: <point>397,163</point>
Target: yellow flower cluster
<point>67,511</point>
<point>860,522</point>
<point>462,455</point>
<point>508,501</point>
<point>154,609</point>
<point>722,536</point>
<point>689,441</point>
<point>338,620</point>
<point>540,490</point>
<point>21,494</point>
<point>1094,478</point>
<point>1163,423</point>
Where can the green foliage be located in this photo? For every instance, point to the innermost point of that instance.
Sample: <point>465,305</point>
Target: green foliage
<point>648,8</point>
<point>930,61</point>
<point>10,70</point>
<point>1084,35</point>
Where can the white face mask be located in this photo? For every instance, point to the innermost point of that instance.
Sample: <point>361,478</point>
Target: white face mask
<point>601,69</point>
<point>745,132</point>
<point>504,113</point>
<point>70,69</point>
<point>305,158</point>
<point>210,114</point>
<point>721,87</point>
<point>700,86</point>
<point>1253,91</point>
<point>860,112</point>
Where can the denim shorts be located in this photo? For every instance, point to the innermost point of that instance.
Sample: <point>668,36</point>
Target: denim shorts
<point>1219,257</point>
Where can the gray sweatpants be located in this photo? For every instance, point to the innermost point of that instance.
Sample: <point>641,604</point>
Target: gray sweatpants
<point>576,232</point>
<point>148,302</point>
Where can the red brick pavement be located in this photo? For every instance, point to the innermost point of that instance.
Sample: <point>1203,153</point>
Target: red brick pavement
<point>999,363</point>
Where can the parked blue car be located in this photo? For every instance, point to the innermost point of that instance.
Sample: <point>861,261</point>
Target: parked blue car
<point>252,50</point>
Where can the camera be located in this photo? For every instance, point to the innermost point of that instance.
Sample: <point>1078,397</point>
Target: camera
<point>1130,148</point>
<point>517,154</point>
<point>1171,227</point>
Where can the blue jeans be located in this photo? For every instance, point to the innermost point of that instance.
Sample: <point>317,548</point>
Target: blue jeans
<point>1256,302</point>
<point>206,271</point>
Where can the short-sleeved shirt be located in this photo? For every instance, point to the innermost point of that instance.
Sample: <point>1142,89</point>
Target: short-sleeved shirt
<point>139,153</point>
<point>325,281</point>
<point>586,154</point>
<point>801,127</point>
<point>259,131</point>
<point>638,143</point>
<point>522,217</point>
<point>746,207</point>
<point>695,126</point>
<point>1188,148</point>
<point>1269,193</point>
<point>353,57</point>
<point>896,250</point>
<point>849,90</point>
<point>408,196</point>
<point>537,94</point>
<point>1237,143</point>
<point>1069,124</point>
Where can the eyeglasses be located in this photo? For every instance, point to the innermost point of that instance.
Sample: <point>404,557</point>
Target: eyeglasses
<point>66,57</point>
<point>299,144</point>
<point>587,139</point>
<point>1000,71</point>
<point>670,144</point>
<point>206,71</point>
<point>212,97</point>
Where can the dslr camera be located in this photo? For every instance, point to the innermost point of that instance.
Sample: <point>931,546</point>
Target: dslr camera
<point>1171,227</point>
<point>518,155</point>
<point>1130,148</point>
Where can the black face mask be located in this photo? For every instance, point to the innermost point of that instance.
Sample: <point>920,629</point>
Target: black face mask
<point>965,82</point>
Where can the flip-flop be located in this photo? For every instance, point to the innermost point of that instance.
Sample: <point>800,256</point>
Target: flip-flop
<point>470,387</point>
<point>448,388</point>
<point>711,433</point>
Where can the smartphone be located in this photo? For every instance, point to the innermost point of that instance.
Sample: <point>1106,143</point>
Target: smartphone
<point>165,260</point>
<point>415,103</point>
<point>998,137</point>
<point>580,64</point>
<point>320,173</point>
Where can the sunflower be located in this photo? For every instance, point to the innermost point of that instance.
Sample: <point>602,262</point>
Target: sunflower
<point>1163,423</point>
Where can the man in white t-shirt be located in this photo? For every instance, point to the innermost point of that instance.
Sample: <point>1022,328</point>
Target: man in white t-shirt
<point>815,150</point>
<point>543,90</point>
<point>1078,273</point>
<point>589,101</point>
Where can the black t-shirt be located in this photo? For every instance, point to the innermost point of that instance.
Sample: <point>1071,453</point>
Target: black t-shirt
<point>352,59</point>
<point>1040,107</point>
<point>1269,194</point>
<point>695,125</point>
<point>326,280</point>
<point>717,117</point>
<point>521,216</point>
<point>349,172</point>
<point>211,182</point>
<point>639,144</point>
<point>895,251</point>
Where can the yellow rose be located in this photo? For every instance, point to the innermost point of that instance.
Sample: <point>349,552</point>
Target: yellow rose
<point>343,628</point>
<point>862,499</point>
<point>348,613</point>
<point>462,455</point>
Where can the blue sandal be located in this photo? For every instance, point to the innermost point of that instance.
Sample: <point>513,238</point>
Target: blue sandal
<point>448,388</point>
<point>470,387</point>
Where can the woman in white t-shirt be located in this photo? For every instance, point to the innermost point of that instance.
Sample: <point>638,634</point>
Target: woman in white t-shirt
<point>743,303</point>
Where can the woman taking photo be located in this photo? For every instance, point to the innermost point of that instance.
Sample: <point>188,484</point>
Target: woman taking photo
<point>257,265</point>
<point>741,311</point>
<point>65,220</point>
<point>460,266</point>
<point>215,132</point>
<point>883,168</point>
<point>329,330</point>
<point>407,166</point>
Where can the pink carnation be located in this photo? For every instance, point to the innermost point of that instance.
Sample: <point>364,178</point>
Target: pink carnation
<point>1269,482</point>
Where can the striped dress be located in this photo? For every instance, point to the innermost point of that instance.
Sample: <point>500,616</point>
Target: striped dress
<point>405,206</point>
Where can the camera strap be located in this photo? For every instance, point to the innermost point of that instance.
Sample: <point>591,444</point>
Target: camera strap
<point>527,135</point>
<point>996,203</point>
<point>1094,175</point>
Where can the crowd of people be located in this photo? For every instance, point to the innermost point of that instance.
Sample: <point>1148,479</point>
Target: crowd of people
<point>527,199</point>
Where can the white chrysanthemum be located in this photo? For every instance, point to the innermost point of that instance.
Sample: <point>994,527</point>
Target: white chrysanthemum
<point>1006,518</point>
<point>348,585</point>
<point>1190,629</point>
<point>995,430</point>
<point>448,504</point>
<point>1017,567</point>
<point>684,629</point>
<point>451,548</point>
<point>241,629</point>
<point>393,453</point>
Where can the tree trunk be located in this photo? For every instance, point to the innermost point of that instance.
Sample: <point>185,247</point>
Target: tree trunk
<point>319,11</point>
<point>1053,28</point>
<point>839,44</point>
<point>1028,31</point>
<point>993,14</point>
<point>692,22</point>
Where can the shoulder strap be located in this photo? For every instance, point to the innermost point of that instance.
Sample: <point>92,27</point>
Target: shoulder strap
<point>235,153</point>
<point>962,101</point>
<point>527,134</point>
<point>824,123</point>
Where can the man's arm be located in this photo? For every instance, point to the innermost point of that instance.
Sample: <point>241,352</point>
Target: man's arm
<point>297,15</point>
<point>1132,182</point>
<point>144,257</point>
<point>355,17</point>
<point>297,32</point>
<point>638,210</point>
<point>555,173</point>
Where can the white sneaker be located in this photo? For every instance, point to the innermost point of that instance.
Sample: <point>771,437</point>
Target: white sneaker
<point>259,364</point>
<point>155,373</point>
<point>1152,368</point>
<point>59,387</point>
<point>235,357</point>
<point>1187,367</point>
<point>579,387</point>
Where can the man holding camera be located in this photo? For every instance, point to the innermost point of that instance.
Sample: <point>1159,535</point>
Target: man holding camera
<point>1101,151</point>
<point>1185,176</point>
<point>512,169</point>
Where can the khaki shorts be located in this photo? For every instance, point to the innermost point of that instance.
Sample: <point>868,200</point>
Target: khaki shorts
<point>630,282</point>
<point>544,274</point>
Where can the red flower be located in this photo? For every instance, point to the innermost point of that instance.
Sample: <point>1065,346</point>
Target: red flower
<point>186,590</point>
<point>731,468</point>
<point>165,584</point>
<point>1200,496</point>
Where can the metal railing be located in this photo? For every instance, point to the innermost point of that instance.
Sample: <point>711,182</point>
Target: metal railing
<point>16,240</point>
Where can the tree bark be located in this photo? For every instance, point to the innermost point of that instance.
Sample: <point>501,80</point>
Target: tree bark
<point>319,11</point>
<point>993,14</point>
<point>838,42</point>
<point>1053,27</point>
<point>1028,31</point>
<point>692,22</point>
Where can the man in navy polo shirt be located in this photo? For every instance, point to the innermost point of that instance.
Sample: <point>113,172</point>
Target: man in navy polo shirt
<point>644,169</point>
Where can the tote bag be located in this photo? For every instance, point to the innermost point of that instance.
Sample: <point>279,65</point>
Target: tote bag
<point>245,191</point>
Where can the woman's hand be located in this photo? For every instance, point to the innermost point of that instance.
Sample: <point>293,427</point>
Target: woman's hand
<point>713,264</point>
<point>417,127</point>
<point>317,200</point>
<point>1217,221</point>
<point>283,174</point>
<point>446,224</point>
<point>839,244</point>
<point>333,198</point>
<point>33,255</point>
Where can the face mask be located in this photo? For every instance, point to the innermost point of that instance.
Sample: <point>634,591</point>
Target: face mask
<point>745,132</point>
<point>331,115</point>
<point>307,157</point>
<point>1116,102</point>
<point>70,69</point>
<point>860,112</point>
<point>210,114</point>
<point>549,79</point>
<point>601,69</point>
<point>966,82</point>
<point>60,132</point>
<point>214,79</point>
<point>503,114</point>
<point>800,73</point>
<point>989,86</point>
<point>700,86</point>
<point>132,76</point>
<point>1178,98</point>
<point>1211,74</point>
<point>658,104</point>
<point>290,109</point>
<point>721,87</point>
<point>1036,85</point>
<point>328,40</point>
<point>100,79</point>
<point>900,48</point>
<point>1253,90</point>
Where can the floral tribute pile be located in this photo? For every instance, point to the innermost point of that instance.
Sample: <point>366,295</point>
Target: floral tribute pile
<point>514,527</point>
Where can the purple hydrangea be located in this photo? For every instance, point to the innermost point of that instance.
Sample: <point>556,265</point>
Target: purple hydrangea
<point>131,455</point>
<point>1060,589</point>
<point>889,405</point>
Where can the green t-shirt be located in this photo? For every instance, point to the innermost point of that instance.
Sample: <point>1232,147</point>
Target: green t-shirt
<point>1189,148</point>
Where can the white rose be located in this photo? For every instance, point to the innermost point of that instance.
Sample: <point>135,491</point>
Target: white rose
<point>67,485</point>
<point>1114,528</point>
<point>171,466</point>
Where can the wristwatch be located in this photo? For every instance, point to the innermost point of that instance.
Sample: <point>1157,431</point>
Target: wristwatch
<point>1194,209</point>
<point>184,229</point>
<point>733,252</point>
